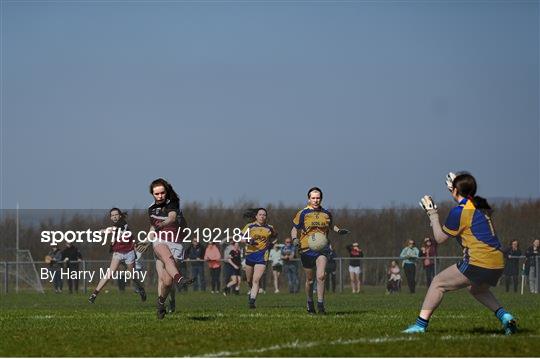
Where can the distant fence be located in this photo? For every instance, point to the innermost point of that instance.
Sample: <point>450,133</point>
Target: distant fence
<point>374,272</point>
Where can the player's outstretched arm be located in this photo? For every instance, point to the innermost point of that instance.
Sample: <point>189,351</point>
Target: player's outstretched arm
<point>430,207</point>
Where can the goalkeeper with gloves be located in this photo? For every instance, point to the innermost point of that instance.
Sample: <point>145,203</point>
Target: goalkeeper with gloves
<point>483,262</point>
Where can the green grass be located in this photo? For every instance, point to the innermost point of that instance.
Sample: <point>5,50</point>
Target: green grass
<point>366,324</point>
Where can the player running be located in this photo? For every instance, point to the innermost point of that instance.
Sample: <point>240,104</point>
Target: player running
<point>234,264</point>
<point>123,250</point>
<point>313,218</point>
<point>483,262</point>
<point>262,236</point>
<point>164,218</point>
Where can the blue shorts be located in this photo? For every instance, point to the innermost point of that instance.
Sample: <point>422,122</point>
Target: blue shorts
<point>256,258</point>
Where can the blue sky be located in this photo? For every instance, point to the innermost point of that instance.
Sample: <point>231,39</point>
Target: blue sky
<point>372,101</point>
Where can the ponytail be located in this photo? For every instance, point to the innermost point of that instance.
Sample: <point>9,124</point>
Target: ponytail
<point>482,204</point>
<point>466,187</point>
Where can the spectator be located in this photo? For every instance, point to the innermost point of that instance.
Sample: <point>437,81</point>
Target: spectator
<point>532,254</point>
<point>72,257</point>
<point>355,269</point>
<point>394,278</point>
<point>213,257</point>
<point>195,254</point>
<point>290,266</point>
<point>277,265</point>
<point>409,255</point>
<point>428,252</point>
<point>55,264</point>
<point>511,265</point>
<point>227,267</point>
<point>233,258</point>
<point>330,269</point>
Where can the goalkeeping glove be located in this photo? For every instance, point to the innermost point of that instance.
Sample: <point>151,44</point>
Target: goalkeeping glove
<point>428,205</point>
<point>450,181</point>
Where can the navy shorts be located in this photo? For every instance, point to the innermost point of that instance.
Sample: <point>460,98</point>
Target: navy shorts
<point>479,275</point>
<point>309,260</point>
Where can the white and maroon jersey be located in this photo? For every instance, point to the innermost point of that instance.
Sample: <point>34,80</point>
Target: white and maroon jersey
<point>122,244</point>
<point>160,212</point>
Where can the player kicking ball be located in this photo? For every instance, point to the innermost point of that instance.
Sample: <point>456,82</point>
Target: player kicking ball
<point>482,264</point>
<point>312,225</point>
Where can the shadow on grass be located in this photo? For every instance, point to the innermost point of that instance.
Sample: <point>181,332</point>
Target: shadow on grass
<point>347,312</point>
<point>202,318</point>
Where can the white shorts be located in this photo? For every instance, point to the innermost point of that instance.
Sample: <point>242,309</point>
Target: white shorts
<point>128,258</point>
<point>355,270</point>
<point>177,249</point>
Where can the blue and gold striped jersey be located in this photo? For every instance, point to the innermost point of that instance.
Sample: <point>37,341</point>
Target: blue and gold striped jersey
<point>310,220</point>
<point>476,234</point>
<point>261,236</point>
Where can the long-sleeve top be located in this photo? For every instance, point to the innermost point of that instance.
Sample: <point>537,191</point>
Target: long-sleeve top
<point>511,266</point>
<point>409,255</point>
<point>428,254</point>
<point>212,256</point>
<point>531,255</point>
<point>275,257</point>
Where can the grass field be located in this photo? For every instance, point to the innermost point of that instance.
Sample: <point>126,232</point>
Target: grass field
<point>366,324</point>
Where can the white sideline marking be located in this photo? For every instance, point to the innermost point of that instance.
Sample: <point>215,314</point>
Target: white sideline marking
<point>302,345</point>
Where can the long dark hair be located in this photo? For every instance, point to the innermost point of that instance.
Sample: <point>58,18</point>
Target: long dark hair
<point>466,187</point>
<point>171,194</point>
<point>251,213</point>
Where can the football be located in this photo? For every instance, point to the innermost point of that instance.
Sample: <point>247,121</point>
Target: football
<point>317,241</point>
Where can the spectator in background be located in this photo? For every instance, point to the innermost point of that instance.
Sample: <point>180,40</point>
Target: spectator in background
<point>277,265</point>
<point>55,264</point>
<point>409,255</point>
<point>213,256</point>
<point>532,254</point>
<point>233,261</point>
<point>394,278</point>
<point>428,252</point>
<point>195,255</point>
<point>511,265</point>
<point>330,269</point>
<point>355,269</point>
<point>72,257</point>
<point>290,266</point>
<point>227,268</point>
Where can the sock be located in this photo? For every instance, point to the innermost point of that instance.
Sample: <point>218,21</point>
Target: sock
<point>96,292</point>
<point>310,300</point>
<point>500,312</point>
<point>423,323</point>
<point>161,300</point>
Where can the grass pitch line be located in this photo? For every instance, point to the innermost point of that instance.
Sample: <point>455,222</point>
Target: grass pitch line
<point>303,345</point>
